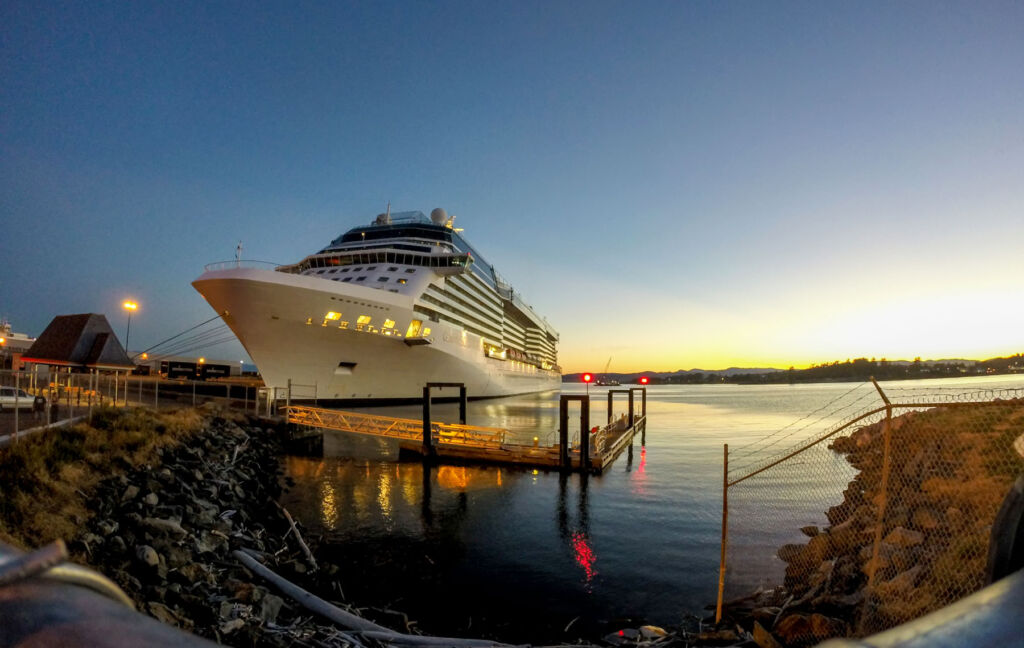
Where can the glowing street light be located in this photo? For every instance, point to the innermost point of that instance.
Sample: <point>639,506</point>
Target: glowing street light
<point>131,307</point>
<point>588,378</point>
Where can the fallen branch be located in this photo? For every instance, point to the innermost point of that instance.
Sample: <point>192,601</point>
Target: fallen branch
<point>298,536</point>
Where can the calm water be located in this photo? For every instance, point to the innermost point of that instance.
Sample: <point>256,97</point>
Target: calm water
<point>520,553</point>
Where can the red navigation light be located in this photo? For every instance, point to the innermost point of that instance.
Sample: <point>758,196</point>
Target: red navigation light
<point>587,378</point>
<point>643,380</point>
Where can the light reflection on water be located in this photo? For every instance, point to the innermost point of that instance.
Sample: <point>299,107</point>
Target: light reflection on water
<point>460,547</point>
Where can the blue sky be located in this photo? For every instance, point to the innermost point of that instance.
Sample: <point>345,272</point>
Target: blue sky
<point>671,184</point>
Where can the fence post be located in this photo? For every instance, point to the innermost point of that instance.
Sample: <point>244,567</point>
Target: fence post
<point>725,531</point>
<point>193,393</point>
<point>156,393</point>
<point>288,395</point>
<point>17,405</point>
<point>884,499</point>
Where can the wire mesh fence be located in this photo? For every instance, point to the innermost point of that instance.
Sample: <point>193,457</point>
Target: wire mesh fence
<point>32,398</point>
<point>868,513</point>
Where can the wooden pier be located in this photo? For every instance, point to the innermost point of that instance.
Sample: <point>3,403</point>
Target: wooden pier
<point>593,450</point>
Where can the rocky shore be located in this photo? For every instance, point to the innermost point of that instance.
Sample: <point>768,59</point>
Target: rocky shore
<point>184,517</point>
<point>180,510</point>
<point>949,469</point>
<point>166,535</point>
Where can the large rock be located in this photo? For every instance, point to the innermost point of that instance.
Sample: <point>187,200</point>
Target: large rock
<point>902,583</point>
<point>270,607</point>
<point>845,536</point>
<point>925,518</point>
<point>130,493</point>
<point>903,537</point>
<point>790,552</point>
<point>794,630</point>
<point>823,627</point>
<point>885,552</point>
<point>763,638</point>
<point>804,630</point>
<point>147,555</point>
<point>164,526</point>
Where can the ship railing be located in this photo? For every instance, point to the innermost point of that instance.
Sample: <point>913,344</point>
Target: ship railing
<point>241,263</point>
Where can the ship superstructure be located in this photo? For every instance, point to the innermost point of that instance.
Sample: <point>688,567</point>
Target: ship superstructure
<point>382,310</point>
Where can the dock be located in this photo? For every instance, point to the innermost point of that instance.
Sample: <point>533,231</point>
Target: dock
<point>593,450</point>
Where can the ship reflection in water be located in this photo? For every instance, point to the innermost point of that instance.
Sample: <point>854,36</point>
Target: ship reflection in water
<point>479,534</point>
<point>507,551</point>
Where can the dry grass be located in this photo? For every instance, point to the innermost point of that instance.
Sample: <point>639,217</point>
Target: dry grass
<point>45,479</point>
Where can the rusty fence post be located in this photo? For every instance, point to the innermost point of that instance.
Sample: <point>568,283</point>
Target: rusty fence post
<point>884,488</point>
<point>725,531</point>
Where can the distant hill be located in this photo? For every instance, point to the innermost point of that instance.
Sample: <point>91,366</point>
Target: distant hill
<point>850,370</point>
<point>665,376</point>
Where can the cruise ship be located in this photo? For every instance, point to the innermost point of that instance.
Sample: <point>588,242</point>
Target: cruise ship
<point>383,310</point>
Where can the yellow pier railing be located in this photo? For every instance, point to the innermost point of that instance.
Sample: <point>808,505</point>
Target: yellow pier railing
<point>396,428</point>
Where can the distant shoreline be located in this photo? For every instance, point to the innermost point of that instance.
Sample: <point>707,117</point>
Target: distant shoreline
<point>857,370</point>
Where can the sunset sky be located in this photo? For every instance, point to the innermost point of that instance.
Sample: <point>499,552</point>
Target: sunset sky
<point>673,184</point>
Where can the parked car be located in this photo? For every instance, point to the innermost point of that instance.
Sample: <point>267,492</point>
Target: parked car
<point>11,397</point>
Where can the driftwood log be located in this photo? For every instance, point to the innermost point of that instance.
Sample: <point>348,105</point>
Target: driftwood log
<point>350,621</point>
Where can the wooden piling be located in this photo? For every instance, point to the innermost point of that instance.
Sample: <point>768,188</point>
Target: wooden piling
<point>585,436</point>
<point>428,438</point>
<point>631,413</point>
<point>563,432</point>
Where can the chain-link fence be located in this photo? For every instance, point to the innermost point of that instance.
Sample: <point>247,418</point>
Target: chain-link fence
<point>868,513</point>
<point>35,398</point>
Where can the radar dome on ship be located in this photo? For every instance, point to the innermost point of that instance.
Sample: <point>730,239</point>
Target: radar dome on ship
<point>438,216</point>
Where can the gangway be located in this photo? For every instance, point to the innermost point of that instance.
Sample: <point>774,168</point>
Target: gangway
<point>592,451</point>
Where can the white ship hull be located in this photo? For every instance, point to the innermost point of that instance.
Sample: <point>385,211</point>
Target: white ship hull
<point>281,320</point>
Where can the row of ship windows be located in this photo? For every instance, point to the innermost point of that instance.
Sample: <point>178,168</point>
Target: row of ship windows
<point>363,278</point>
<point>362,323</point>
<point>358,268</point>
<point>429,261</point>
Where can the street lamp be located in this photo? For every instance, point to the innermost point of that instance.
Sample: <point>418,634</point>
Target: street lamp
<point>131,307</point>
